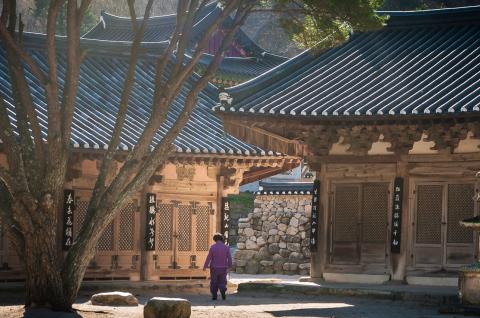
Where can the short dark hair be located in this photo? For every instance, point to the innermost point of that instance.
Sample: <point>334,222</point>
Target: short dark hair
<point>218,237</point>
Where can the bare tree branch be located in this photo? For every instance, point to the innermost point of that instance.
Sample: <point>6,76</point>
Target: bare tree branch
<point>84,5</point>
<point>123,106</point>
<point>185,38</point>
<point>10,42</point>
<point>72,75</point>
<point>149,165</point>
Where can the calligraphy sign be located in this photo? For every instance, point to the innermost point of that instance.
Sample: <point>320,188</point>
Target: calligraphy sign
<point>151,219</point>
<point>397,215</point>
<point>68,208</point>
<point>225,226</point>
<point>315,216</point>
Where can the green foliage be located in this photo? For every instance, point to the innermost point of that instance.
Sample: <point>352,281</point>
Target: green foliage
<point>325,23</point>
<point>241,204</point>
<point>40,11</point>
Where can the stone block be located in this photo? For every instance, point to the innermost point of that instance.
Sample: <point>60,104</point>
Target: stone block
<point>263,254</point>
<point>159,307</point>
<point>277,258</point>
<point>241,246</point>
<point>245,254</point>
<point>306,252</point>
<point>250,245</point>
<point>292,230</point>
<point>266,263</point>
<point>241,263</point>
<point>290,267</point>
<point>282,245</point>
<point>302,220</point>
<point>252,267</point>
<point>273,248</point>
<point>308,211</point>
<point>296,257</point>
<point>294,247</point>
<point>114,299</point>
<point>284,253</point>
<point>293,223</point>
<point>248,232</point>
<point>273,232</point>
<point>304,266</point>
<point>261,242</point>
<point>282,227</point>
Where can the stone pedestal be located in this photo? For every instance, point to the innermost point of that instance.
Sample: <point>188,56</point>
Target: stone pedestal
<point>469,285</point>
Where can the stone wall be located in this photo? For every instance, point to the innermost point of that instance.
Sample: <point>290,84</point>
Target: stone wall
<point>274,237</point>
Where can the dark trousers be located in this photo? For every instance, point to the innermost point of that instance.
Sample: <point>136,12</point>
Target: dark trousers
<point>218,280</point>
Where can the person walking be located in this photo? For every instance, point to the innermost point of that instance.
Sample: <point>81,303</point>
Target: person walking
<point>219,260</point>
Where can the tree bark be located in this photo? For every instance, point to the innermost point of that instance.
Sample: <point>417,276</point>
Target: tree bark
<point>34,180</point>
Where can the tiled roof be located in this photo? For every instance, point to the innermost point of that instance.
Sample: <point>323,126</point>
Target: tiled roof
<point>99,91</point>
<point>160,28</point>
<point>240,69</point>
<point>425,62</point>
<point>290,188</point>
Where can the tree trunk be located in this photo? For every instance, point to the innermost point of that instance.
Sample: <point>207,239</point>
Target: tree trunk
<point>43,282</point>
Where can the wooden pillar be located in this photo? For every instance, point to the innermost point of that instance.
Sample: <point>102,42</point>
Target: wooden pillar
<point>318,259</point>
<point>143,225</point>
<point>218,219</point>
<point>399,261</point>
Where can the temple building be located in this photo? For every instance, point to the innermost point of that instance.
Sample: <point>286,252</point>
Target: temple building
<point>243,60</point>
<point>187,193</point>
<point>390,122</point>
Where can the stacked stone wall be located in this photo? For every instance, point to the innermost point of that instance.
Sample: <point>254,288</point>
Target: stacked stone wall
<point>274,237</point>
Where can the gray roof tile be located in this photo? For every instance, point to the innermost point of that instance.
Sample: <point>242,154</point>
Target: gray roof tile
<point>420,63</point>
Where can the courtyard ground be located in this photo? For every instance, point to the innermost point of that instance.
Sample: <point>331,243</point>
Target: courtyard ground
<point>248,304</point>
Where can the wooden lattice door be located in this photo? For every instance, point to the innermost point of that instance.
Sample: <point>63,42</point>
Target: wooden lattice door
<point>346,220</point>
<point>439,240</point>
<point>359,224</point>
<point>375,203</point>
<point>116,248</point>
<point>183,236</point>
<point>459,245</point>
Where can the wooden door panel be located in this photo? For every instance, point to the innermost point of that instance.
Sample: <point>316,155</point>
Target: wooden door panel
<point>374,223</point>
<point>165,230</point>
<point>428,225</point>
<point>460,241</point>
<point>373,253</point>
<point>429,214</point>
<point>345,249</point>
<point>428,255</point>
<point>459,255</point>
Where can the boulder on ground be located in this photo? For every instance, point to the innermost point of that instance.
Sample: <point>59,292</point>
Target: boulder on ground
<point>114,299</point>
<point>159,307</point>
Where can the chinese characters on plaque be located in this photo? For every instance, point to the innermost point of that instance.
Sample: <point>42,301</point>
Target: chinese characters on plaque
<point>225,218</point>
<point>397,215</point>
<point>68,208</point>
<point>151,219</point>
<point>315,216</point>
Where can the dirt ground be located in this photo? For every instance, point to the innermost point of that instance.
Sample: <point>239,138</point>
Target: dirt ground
<point>255,306</point>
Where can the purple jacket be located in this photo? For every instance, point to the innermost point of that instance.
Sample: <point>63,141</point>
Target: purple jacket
<point>218,256</point>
